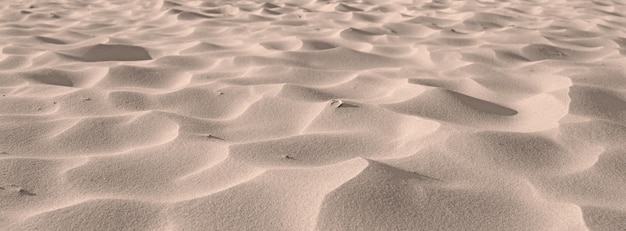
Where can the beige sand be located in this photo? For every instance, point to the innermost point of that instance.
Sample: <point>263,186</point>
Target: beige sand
<point>313,115</point>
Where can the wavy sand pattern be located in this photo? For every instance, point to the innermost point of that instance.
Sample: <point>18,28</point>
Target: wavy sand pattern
<point>313,115</point>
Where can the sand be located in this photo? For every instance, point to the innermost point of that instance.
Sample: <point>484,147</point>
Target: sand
<point>313,115</point>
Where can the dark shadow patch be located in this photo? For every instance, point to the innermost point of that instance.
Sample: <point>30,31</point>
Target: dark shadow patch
<point>268,5</point>
<point>192,16</point>
<point>51,77</point>
<point>24,192</point>
<point>106,52</point>
<point>50,40</point>
<point>316,45</point>
<point>483,105</point>
<point>171,4</point>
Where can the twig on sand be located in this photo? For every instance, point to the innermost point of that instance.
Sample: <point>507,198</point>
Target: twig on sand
<point>336,103</point>
<point>339,103</point>
<point>213,137</point>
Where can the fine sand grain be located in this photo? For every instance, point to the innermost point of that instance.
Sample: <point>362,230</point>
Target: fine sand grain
<point>313,115</point>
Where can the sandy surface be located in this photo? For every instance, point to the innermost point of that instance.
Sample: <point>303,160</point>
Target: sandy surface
<point>313,115</point>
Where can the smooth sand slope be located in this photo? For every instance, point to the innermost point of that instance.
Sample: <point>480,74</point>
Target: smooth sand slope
<point>313,115</point>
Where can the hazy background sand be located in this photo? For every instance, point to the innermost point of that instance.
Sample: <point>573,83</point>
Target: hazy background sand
<point>313,115</point>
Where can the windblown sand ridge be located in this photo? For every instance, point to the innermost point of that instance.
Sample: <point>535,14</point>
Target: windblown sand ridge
<point>312,115</point>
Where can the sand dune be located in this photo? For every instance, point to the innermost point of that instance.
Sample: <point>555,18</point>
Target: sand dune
<point>312,115</point>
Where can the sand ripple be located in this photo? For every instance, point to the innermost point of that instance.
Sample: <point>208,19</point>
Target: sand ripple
<point>312,115</point>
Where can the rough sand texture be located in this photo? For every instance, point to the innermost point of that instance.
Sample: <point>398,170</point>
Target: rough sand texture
<point>313,115</point>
